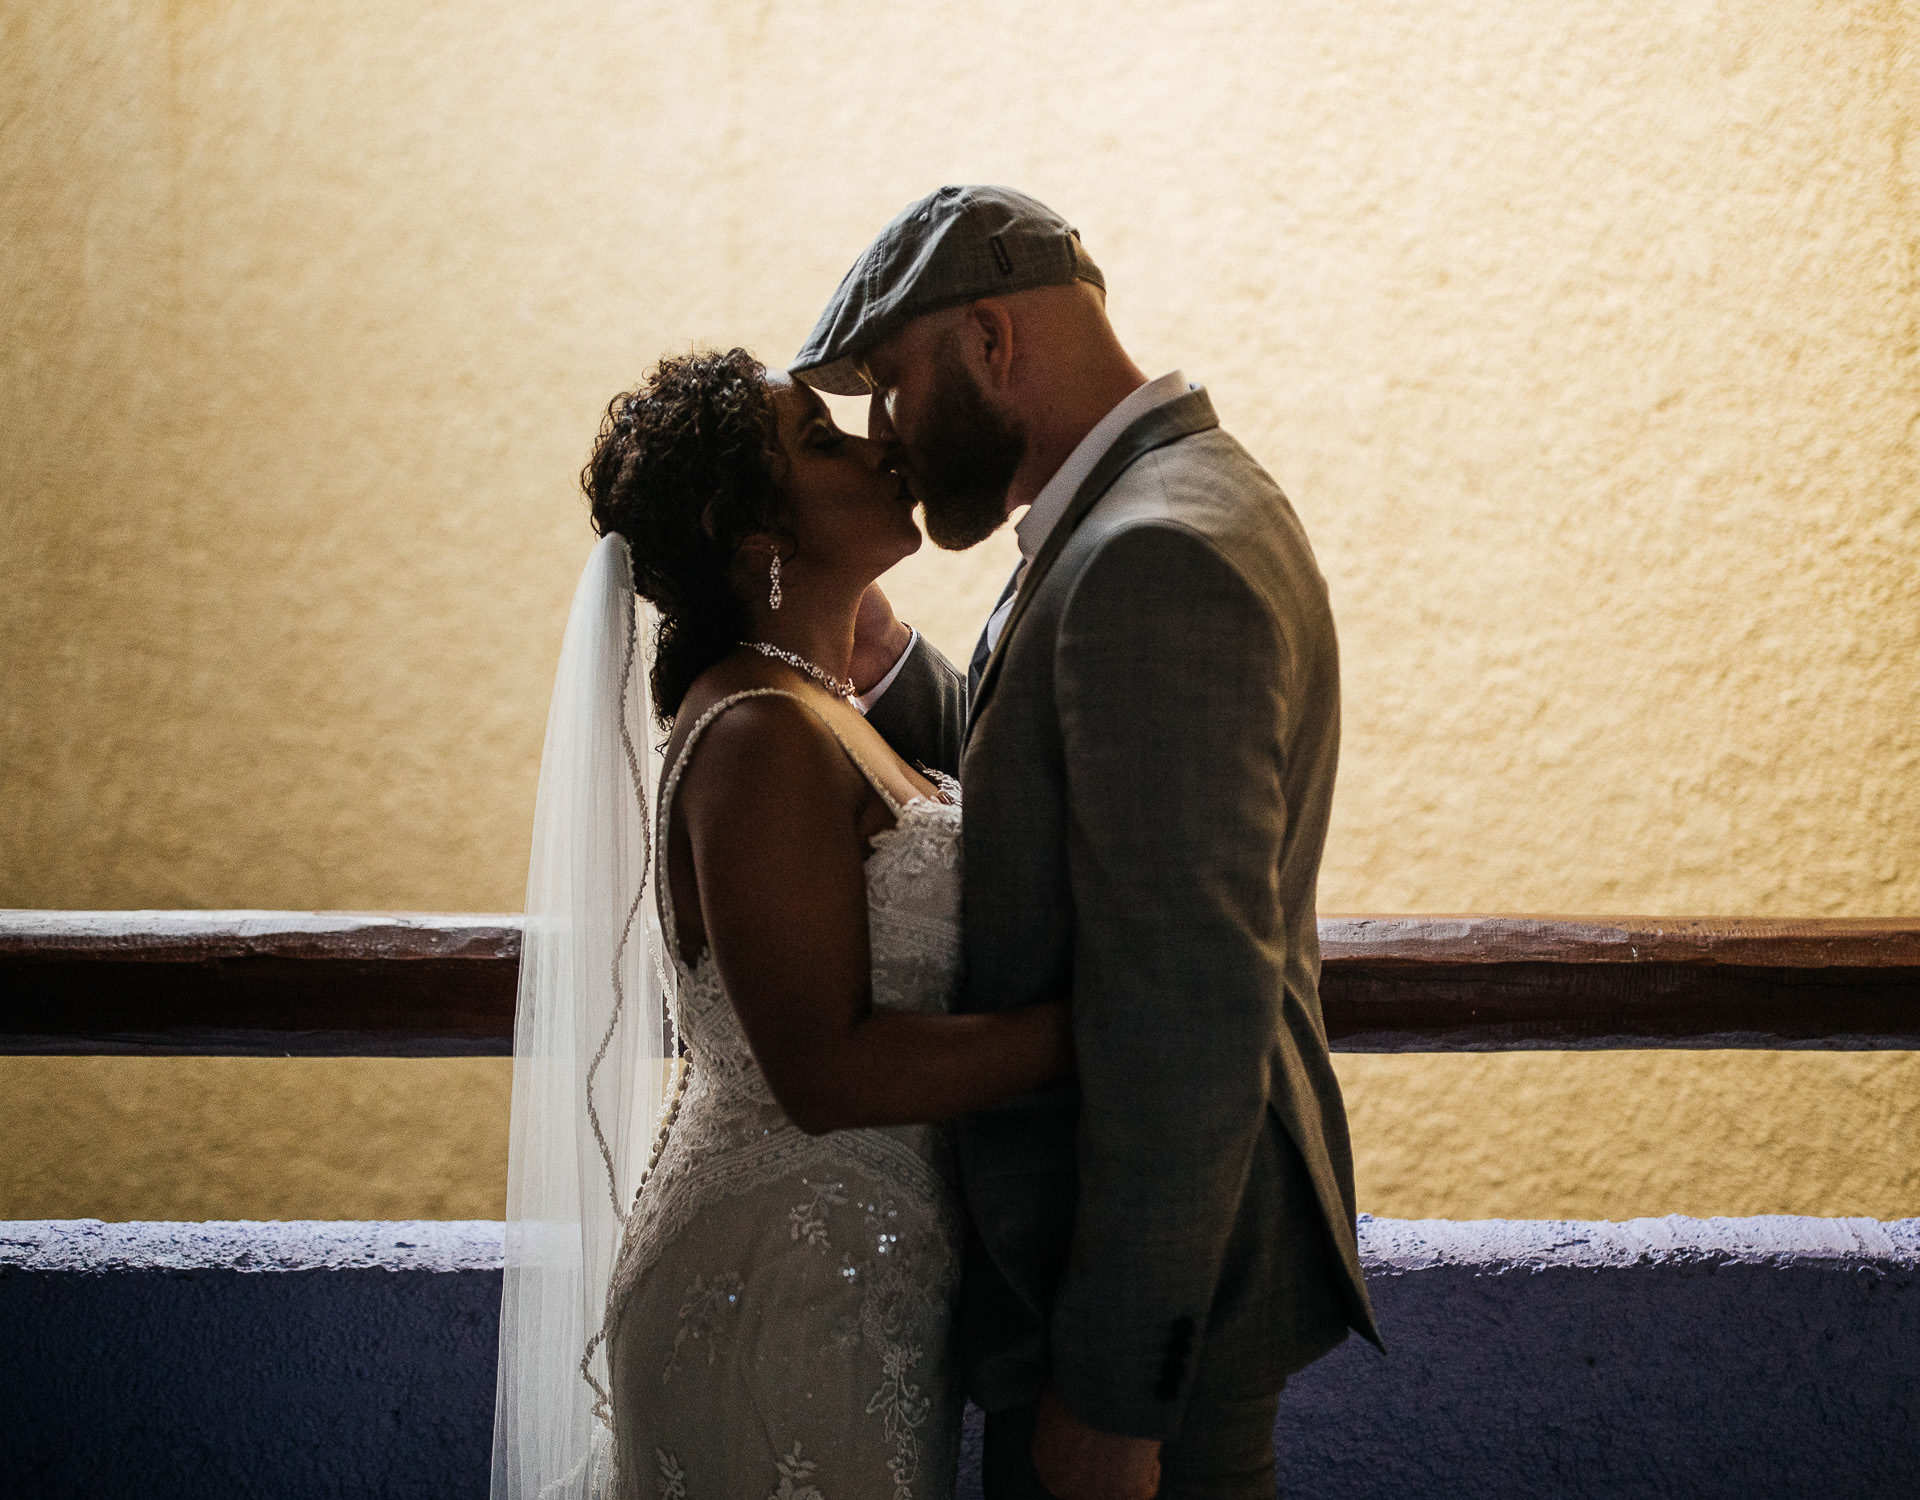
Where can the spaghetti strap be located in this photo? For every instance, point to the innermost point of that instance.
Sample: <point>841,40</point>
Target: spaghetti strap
<point>663,817</point>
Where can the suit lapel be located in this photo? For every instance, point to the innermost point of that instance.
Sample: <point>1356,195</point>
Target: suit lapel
<point>1181,417</point>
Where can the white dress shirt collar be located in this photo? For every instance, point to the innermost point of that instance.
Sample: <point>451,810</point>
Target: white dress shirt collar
<point>1058,492</point>
<point>873,694</point>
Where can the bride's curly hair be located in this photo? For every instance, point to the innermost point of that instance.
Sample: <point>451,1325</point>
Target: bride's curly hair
<point>684,469</point>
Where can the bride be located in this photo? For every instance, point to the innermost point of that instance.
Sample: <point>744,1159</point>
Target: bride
<point>730,1273</point>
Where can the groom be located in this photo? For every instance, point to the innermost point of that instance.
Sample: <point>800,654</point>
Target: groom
<point>1147,756</point>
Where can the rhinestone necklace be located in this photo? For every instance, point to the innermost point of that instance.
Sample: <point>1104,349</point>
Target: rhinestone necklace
<point>838,686</point>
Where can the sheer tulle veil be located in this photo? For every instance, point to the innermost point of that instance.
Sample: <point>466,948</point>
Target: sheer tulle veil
<point>592,1045</point>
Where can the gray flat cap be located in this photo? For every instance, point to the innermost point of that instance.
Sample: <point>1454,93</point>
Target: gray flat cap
<point>955,244</point>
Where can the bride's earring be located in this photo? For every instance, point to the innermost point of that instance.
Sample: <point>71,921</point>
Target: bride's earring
<point>773,582</point>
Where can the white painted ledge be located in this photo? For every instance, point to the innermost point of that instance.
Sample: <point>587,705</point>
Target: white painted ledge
<point>1388,1247</point>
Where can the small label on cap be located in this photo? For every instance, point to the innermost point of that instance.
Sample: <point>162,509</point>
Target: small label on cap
<point>1000,257</point>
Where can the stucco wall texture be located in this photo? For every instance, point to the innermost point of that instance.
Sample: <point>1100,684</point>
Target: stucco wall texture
<point>1585,337</point>
<point>1614,1135</point>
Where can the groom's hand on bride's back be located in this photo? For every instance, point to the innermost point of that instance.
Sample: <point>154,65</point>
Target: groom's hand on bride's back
<point>1078,1462</point>
<point>878,638</point>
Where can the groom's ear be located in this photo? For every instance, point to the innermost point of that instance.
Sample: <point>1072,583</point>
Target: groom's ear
<point>987,336</point>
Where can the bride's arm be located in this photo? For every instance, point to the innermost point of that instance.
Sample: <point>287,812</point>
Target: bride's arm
<point>772,807</point>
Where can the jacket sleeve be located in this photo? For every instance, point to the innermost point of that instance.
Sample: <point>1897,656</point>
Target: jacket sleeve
<point>1171,691</point>
<point>923,712</point>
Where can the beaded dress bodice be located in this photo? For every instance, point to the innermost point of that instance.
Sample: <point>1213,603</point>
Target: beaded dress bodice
<point>794,1287</point>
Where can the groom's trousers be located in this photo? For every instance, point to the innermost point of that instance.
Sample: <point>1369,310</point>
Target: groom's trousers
<point>1223,1451</point>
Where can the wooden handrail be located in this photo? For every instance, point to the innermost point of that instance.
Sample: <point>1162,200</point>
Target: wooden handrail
<point>1464,984</point>
<point>257,983</point>
<point>350,984</point>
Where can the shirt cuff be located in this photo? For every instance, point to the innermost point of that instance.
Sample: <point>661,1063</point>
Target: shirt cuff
<point>874,694</point>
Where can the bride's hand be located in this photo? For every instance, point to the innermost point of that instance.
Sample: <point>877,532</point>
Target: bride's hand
<point>878,638</point>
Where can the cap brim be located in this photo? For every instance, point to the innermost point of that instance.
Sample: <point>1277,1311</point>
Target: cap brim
<point>837,378</point>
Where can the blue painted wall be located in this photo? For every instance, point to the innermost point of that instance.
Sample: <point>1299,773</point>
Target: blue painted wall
<point>279,1379</point>
<point>1664,1357</point>
<point>1689,1376</point>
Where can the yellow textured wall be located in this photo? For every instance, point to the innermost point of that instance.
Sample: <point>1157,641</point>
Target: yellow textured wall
<point>1499,1135</point>
<point>1585,337</point>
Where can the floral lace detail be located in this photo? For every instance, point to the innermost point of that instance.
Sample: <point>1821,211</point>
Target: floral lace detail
<point>794,1472</point>
<point>806,1221</point>
<point>700,1316</point>
<point>947,786</point>
<point>673,1478</point>
<point>902,1408</point>
<point>727,1143</point>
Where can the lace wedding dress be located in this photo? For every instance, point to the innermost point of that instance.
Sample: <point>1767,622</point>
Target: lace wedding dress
<point>778,1315</point>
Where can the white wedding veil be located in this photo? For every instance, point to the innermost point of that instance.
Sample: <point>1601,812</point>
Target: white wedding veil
<point>592,1044</point>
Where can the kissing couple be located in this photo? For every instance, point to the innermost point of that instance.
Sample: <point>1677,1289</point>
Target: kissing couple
<point>818,1128</point>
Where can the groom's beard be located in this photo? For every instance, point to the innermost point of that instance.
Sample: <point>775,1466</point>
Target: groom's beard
<point>963,459</point>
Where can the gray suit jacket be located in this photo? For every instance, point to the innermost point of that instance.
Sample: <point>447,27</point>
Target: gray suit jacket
<point>923,712</point>
<point>1148,771</point>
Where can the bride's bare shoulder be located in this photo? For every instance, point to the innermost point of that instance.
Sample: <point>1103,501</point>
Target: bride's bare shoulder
<point>726,678</point>
<point>763,746</point>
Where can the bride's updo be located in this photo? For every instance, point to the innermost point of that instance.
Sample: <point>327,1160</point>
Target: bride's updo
<point>683,468</point>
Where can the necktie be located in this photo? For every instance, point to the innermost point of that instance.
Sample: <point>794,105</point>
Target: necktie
<point>990,632</point>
